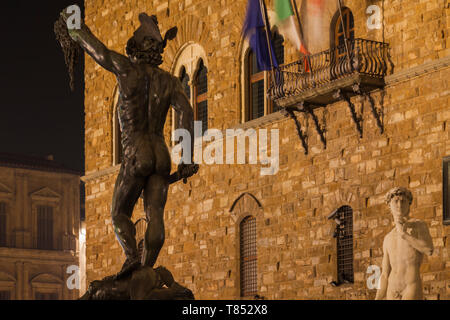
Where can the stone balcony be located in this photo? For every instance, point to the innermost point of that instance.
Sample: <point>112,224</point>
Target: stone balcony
<point>333,75</point>
<point>359,69</point>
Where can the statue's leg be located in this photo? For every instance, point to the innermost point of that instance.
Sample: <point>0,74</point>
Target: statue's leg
<point>155,197</point>
<point>126,193</point>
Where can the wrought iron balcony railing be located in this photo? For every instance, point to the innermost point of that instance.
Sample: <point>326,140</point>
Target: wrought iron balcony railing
<point>330,76</point>
<point>365,63</point>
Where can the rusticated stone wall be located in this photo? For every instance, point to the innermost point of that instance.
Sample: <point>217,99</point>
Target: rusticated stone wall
<point>296,250</point>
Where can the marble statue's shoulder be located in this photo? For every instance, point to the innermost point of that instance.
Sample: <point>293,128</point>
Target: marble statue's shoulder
<point>388,237</point>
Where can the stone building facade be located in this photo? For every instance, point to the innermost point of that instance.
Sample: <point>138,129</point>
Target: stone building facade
<point>39,227</point>
<point>295,252</point>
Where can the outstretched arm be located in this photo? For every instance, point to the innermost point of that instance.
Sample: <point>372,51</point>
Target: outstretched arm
<point>181,104</point>
<point>108,59</point>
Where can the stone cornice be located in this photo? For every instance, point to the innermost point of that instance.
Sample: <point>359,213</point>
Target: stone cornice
<point>43,256</point>
<point>413,72</point>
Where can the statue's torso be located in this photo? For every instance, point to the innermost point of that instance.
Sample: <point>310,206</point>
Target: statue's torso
<point>404,260</point>
<point>145,95</point>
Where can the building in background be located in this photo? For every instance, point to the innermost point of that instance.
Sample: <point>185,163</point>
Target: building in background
<point>39,228</point>
<point>232,233</point>
<point>82,257</point>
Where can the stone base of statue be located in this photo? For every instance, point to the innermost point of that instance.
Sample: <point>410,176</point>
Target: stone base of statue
<point>141,283</point>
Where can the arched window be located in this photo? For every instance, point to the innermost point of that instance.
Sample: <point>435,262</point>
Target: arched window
<point>257,103</point>
<point>344,243</point>
<point>184,79</point>
<point>200,96</point>
<point>340,34</point>
<point>191,67</point>
<point>248,257</point>
<point>3,224</point>
<point>45,227</point>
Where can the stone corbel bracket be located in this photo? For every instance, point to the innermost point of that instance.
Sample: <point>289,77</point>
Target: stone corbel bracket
<point>377,113</point>
<point>290,112</point>
<point>356,118</point>
<point>321,130</point>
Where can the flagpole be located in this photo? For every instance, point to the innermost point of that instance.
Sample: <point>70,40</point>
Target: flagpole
<point>266,24</point>
<point>345,34</point>
<point>294,5</point>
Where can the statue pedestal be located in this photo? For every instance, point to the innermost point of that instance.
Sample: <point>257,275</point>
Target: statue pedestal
<point>142,283</point>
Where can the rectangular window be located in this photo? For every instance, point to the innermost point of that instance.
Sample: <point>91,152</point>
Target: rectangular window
<point>202,114</point>
<point>344,236</point>
<point>257,99</point>
<point>3,221</point>
<point>446,191</point>
<point>45,227</point>
<point>248,257</point>
<point>256,94</point>
<point>46,296</point>
<point>5,295</point>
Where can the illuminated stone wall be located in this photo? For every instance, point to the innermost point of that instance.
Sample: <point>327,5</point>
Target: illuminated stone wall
<point>296,250</point>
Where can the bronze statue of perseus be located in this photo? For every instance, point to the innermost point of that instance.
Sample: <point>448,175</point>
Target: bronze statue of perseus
<point>146,93</point>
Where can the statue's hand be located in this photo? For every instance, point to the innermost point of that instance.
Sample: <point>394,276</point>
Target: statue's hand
<point>65,14</point>
<point>400,228</point>
<point>187,170</point>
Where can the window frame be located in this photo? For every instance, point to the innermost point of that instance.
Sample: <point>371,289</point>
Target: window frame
<point>347,14</point>
<point>254,78</point>
<point>9,291</point>
<point>50,212</point>
<point>342,215</point>
<point>6,224</point>
<point>41,292</point>
<point>247,79</point>
<point>252,260</point>
<point>187,57</point>
<point>46,283</point>
<point>7,197</point>
<point>57,245</point>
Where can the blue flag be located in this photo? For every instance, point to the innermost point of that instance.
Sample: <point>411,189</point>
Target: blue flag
<point>254,30</point>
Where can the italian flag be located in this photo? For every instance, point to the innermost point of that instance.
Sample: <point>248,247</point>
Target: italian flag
<point>287,24</point>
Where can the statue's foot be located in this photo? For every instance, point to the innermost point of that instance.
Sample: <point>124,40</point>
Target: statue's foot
<point>129,266</point>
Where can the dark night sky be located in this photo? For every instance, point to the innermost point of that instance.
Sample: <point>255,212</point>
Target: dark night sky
<point>39,114</point>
